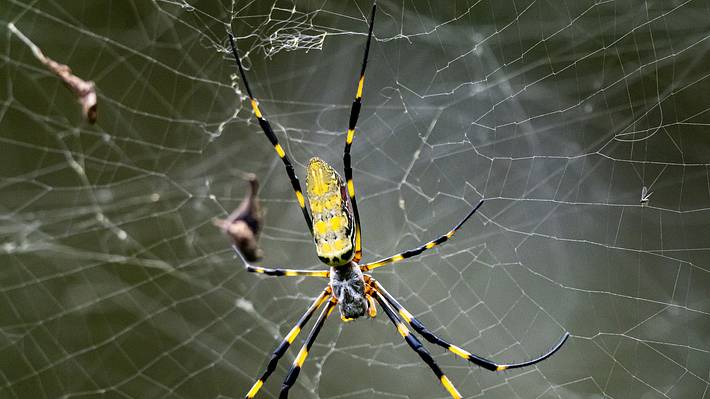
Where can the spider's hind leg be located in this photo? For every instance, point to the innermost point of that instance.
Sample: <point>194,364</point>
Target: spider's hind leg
<point>269,132</point>
<point>427,246</point>
<point>279,272</point>
<point>354,114</point>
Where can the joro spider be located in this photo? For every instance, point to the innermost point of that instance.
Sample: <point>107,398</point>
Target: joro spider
<point>335,226</point>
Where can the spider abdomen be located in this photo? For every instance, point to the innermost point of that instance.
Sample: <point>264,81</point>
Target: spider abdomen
<point>348,287</point>
<point>333,231</point>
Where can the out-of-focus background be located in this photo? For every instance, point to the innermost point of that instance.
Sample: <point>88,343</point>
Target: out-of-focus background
<point>114,283</point>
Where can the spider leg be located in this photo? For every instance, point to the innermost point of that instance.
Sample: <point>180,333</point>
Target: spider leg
<point>286,342</point>
<point>416,251</point>
<point>303,353</point>
<point>354,114</point>
<point>417,346</point>
<point>266,127</point>
<point>280,272</point>
<point>479,361</point>
<point>371,309</point>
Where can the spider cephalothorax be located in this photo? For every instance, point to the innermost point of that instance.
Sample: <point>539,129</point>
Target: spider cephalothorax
<point>335,226</point>
<point>348,287</point>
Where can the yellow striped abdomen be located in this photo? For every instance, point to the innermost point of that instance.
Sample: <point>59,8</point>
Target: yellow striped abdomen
<point>333,231</point>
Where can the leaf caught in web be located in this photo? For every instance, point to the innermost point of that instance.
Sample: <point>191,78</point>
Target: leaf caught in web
<point>85,91</point>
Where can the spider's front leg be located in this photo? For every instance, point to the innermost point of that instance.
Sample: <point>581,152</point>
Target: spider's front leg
<point>417,346</point>
<point>371,309</point>
<point>460,352</point>
<point>287,341</point>
<point>303,353</point>
<point>370,294</point>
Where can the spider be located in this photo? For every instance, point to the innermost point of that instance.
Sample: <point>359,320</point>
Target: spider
<point>335,227</point>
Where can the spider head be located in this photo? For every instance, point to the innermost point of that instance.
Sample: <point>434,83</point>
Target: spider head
<point>349,289</point>
<point>332,214</point>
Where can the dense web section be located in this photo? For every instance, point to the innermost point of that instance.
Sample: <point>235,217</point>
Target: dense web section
<point>114,282</point>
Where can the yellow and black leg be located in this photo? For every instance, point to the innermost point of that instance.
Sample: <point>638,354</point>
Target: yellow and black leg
<point>347,162</point>
<point>266,127</point>
<point>477,360</point>
<point>284,345</point>
<point>280,272</point>
<point>419,250</point>
<point>303,353</point>
<point>417,346</point>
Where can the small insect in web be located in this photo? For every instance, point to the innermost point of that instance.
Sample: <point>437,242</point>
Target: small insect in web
<point>645,196</point>
<point>334,223</point>
<point>243,225</point>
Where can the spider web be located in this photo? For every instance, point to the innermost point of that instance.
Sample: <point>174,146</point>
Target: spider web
<point>114,283</point>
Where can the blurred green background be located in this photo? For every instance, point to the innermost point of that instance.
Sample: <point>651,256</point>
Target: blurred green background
<point>115,284</point>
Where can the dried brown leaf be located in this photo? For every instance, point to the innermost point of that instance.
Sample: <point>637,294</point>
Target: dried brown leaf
<point>85,91</point>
